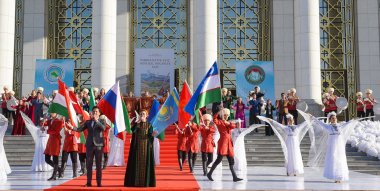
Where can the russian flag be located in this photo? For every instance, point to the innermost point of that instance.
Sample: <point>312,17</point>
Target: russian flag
<point>111,106</point>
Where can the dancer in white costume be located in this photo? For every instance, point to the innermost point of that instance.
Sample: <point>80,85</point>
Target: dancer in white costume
<point>290,137</point>
<point>116,156</point>
<point>40,139</point>
<point>4,166</point>
<point>238,136</point>
<point>329,146</point>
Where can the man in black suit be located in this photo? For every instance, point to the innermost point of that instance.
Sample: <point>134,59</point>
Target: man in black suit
<point>94,145</point>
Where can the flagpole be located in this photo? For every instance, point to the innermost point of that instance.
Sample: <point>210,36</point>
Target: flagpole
<point>200,115</point>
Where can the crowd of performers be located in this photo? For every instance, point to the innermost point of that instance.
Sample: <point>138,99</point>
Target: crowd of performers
<point>328,139</point>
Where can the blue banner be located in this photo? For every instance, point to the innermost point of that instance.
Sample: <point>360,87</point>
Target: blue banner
<point>168,113</point>
<point>255,73</point>
<point>49,70</point>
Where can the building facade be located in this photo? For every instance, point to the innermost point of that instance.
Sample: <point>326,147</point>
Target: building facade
<point>314,44</point>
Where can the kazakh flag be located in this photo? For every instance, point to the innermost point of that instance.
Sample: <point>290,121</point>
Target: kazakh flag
<point>168,113</point>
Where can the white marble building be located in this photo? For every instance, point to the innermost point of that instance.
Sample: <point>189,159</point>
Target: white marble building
<point>293,39</point>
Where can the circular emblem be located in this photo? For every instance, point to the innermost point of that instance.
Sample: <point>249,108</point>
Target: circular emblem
<point>165,113</point>
<point>52,73</point>
<point>254,75</point>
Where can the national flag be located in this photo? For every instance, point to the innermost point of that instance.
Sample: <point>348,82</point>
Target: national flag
<point>184,98</point>
<point>153,110</point>
<point>167,114</point>
<point>208,91</point>
<point>79,110</point>
<point>113,108</point>
<point>152,114</point>
<point>126,119</point>
<point>92,99</point>
<point>62,104</point>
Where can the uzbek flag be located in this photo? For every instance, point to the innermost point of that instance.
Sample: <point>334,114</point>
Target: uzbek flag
<point>208,91</point>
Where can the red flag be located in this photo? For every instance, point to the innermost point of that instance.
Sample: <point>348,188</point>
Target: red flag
<point>121,135</point>
<point>184,98</point>
<point>77,107</point>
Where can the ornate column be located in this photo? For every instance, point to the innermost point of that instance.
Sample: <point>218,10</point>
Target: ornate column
<point>7,41</point>
<point>104,43</point>
<point>205,37</point>
<point>307,52</point>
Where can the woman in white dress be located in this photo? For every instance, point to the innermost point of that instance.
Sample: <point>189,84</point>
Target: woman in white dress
<point>238,136</point>
<point>330,146</point>
<point>4,165</point>
<point>116,156</point>
<point>40,138</point>
<point>290,137</point>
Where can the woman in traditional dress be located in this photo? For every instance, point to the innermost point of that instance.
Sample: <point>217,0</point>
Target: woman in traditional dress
<point>4,165</point>
<point>40,140</point>
<point>116,155</point>
<point>225,146</point>
<point>329,146</point>
<point>19,125</point>
<point>140,168</point>
<point>82,155</point>
<point>369,102</point>
<point>52,150</point>
<point>192,132</point>
<point>290,137</point>
<point>293,99</point>
<point>38,110</point>
<point>181,146</point>
<point>70,147</point>
<point>360,113</point>
<point>207,147</point>
<point>106,138</point>
<point>239,107</point>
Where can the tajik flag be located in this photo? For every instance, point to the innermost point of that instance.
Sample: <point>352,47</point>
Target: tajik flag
<point>208,91</point>
<point>62,104</point>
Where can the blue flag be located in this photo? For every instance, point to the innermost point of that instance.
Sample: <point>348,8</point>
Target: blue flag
<point>168,113</point>
<point>153,110</point>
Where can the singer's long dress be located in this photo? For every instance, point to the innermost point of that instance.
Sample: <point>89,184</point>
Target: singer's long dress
<point>140,168</point>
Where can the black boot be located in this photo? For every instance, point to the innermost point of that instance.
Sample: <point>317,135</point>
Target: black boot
<point>204,165</point>
<point>54,175</point>
<point>209,174</point>
<point>104,164</point>
<point>235,178</point>
<point>83,168</point>
<point>194,158</point>
<point>190,163</point>
<point>61,171</point>
<point>75,166</point>
<point>180,163</point>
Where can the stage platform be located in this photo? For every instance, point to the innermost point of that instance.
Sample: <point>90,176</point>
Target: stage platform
<point>257,178</point>
<point>274,178</point>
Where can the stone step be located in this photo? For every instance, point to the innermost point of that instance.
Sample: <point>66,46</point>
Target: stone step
<point>15,138</point>
<point>273,149</point>
<point>16,154</point>
<point>19,158</point>
<point>20,163</point>
<point>20,150</point>
<point>19,146</point>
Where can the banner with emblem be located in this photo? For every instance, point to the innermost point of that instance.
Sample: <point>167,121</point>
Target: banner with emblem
<point>255,73</point>
<point>49,70</point>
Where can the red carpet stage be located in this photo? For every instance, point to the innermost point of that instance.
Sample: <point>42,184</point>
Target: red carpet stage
<point>168,176</point>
